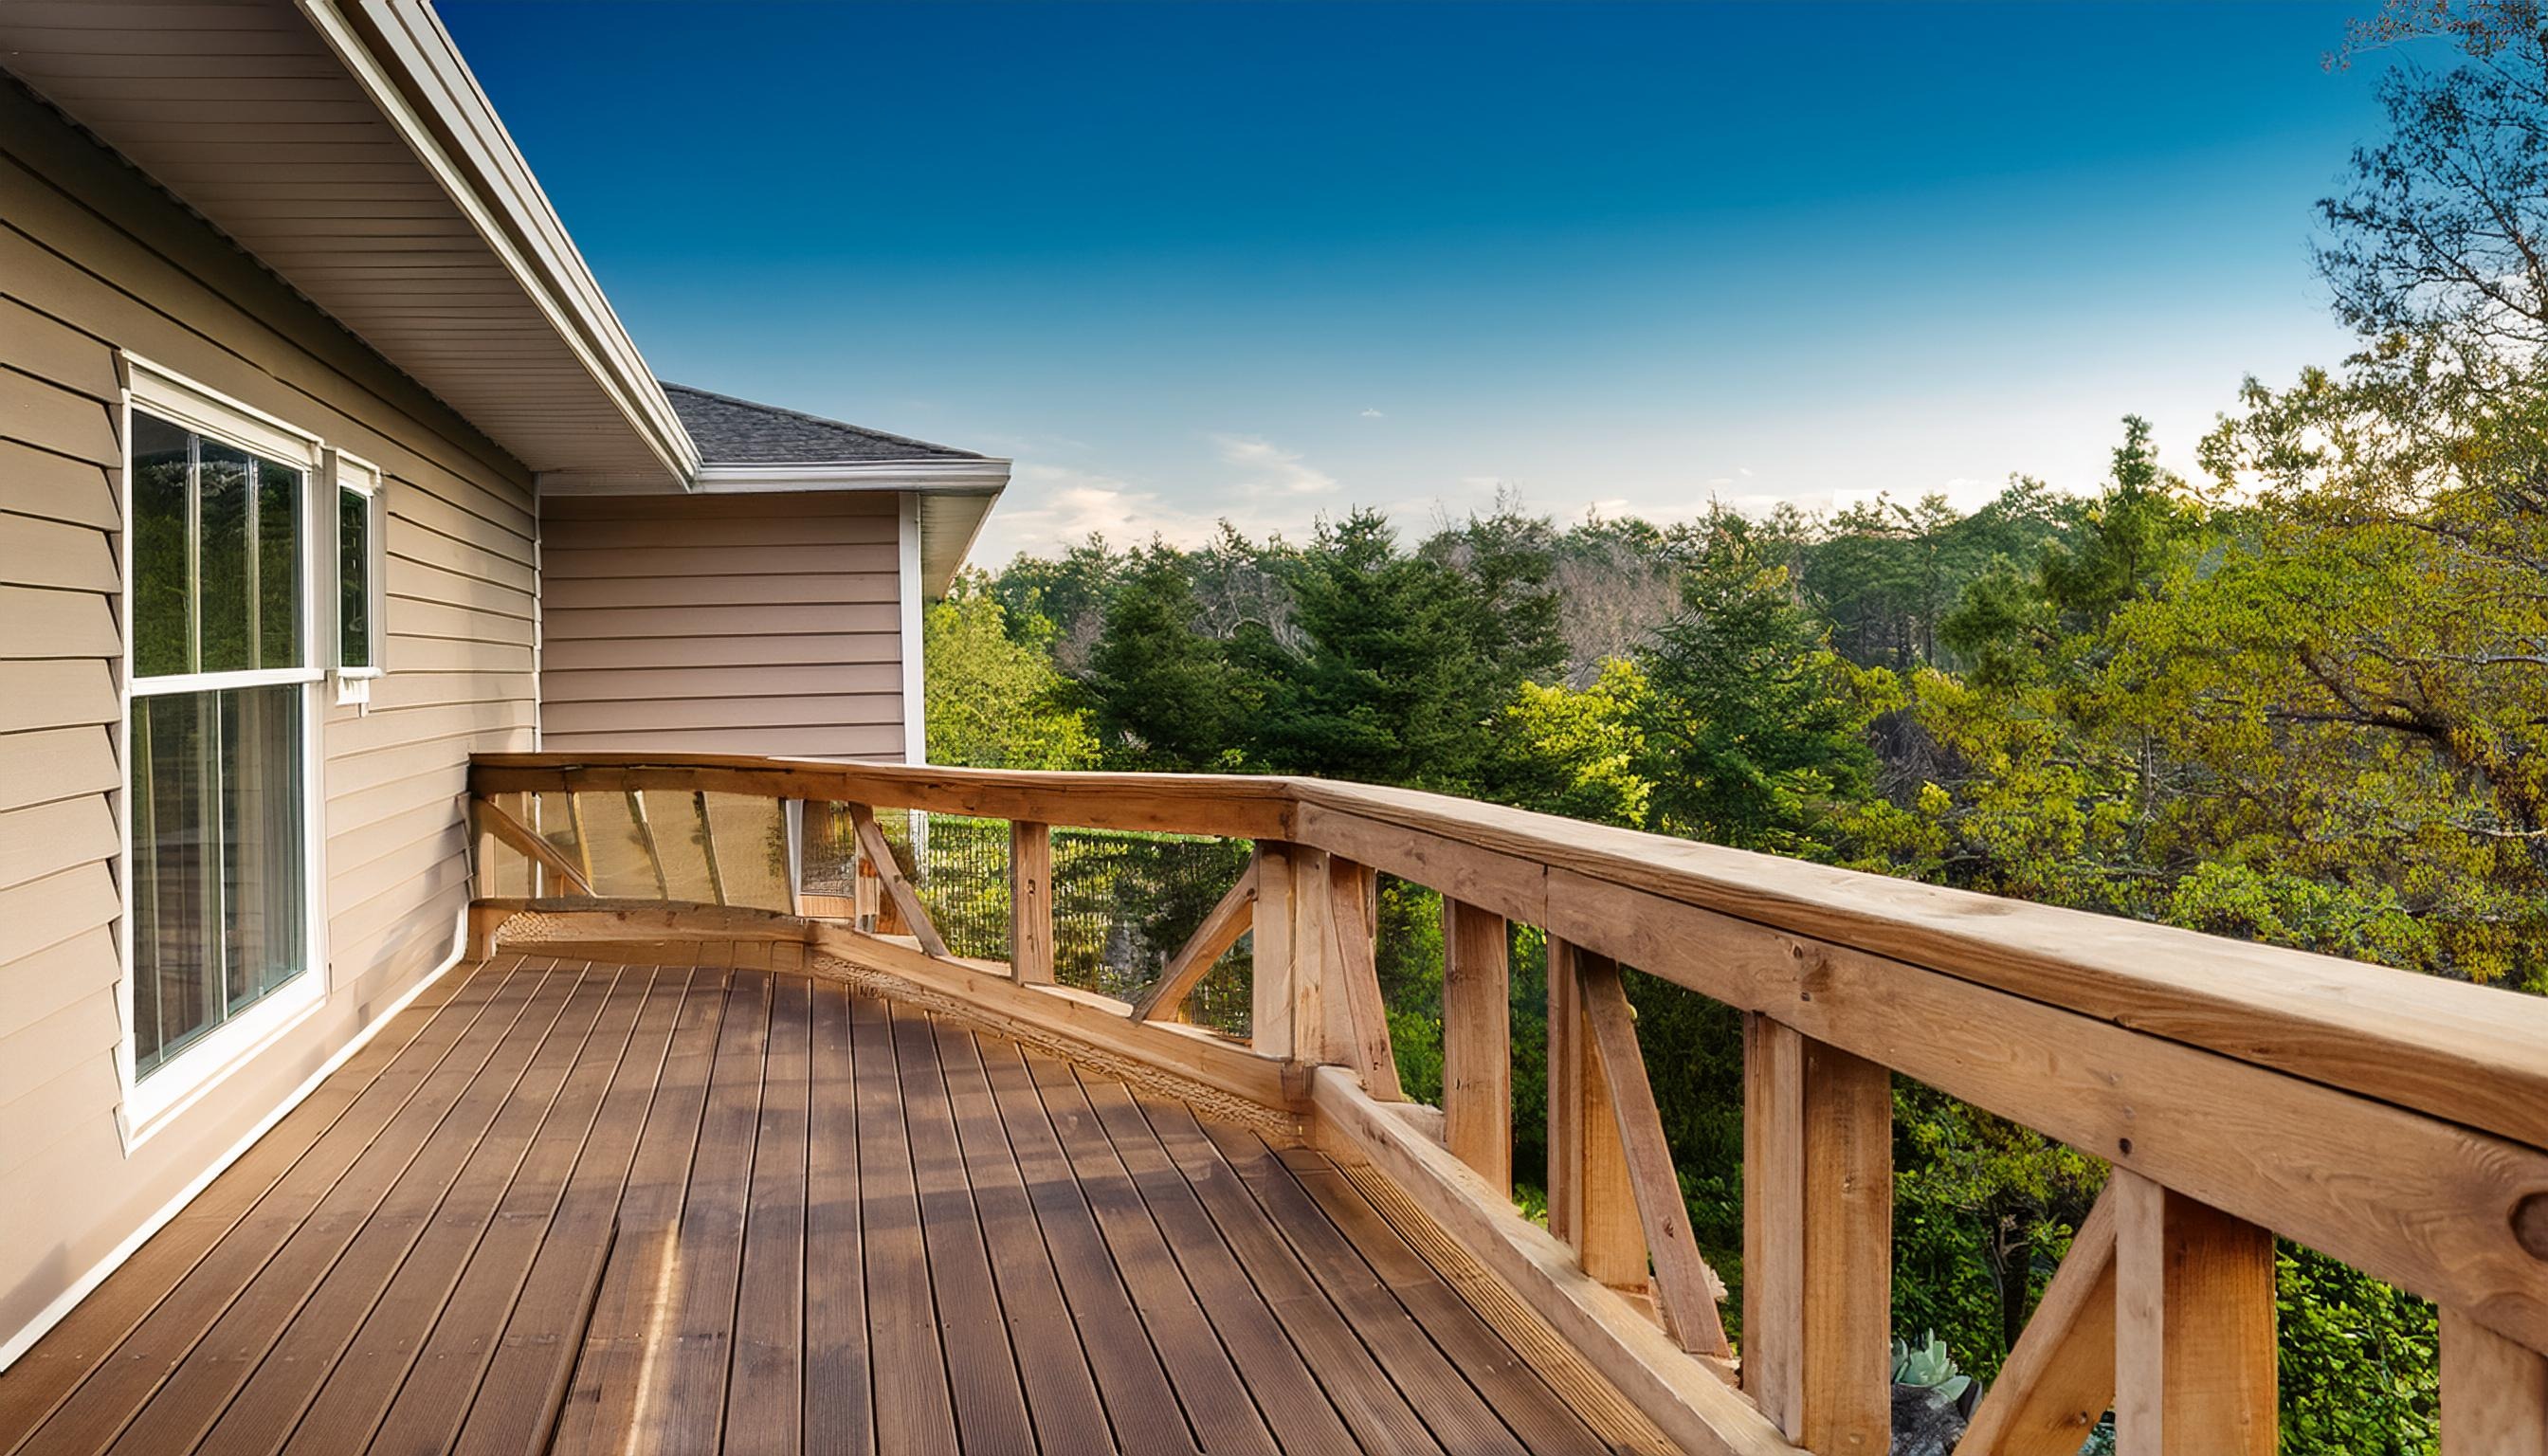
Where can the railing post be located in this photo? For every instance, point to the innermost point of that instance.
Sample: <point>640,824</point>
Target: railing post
<point>2494,1393</point>
<point>1288,997</point>
<point>1313,958</point>
<point>1818,1240</point>
<point>2194,1326</point>
<point>1590,1202</point>
<point>1476,1041</point>
<point>1030,902</point>
<point>482,838</point>
<point>1271,962</point>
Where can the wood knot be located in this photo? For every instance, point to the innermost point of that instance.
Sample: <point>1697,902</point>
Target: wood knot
<point>2530,1225</point>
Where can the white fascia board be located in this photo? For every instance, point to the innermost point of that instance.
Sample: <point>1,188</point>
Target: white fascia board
<point>398,52</point>
<point>915,679</point>
<point>967,477</point>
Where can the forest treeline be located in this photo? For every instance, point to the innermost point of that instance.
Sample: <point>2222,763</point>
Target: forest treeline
<point>2299,698</point>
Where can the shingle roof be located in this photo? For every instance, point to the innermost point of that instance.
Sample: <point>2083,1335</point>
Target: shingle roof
<point>732,431</point>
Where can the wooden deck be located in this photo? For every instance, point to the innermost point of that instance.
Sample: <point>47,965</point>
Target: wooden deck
<point>584,1206</point>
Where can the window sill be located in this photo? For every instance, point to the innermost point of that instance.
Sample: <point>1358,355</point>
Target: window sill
<point>154,1102</point>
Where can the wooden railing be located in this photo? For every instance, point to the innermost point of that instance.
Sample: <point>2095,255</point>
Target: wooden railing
<point>2394,1121</point>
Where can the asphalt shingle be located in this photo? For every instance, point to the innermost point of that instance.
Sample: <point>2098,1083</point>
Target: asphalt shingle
<point>732,431</point>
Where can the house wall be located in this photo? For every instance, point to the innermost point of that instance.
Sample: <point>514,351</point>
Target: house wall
<point>732,623</point>
<point>93,259</point>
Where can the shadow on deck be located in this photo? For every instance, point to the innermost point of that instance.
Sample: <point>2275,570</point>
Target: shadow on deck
<point>579,1204</point>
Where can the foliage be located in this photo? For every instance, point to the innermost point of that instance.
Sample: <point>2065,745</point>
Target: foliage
<point>2302,700</point>
<point>1929,1366</point>
<point>994,698</point>
<point>1166,693</point>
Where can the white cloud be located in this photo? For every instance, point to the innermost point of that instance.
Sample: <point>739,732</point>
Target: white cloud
<point>1369,413</point>
<point>1050,507</point>
<point>1275,470</point>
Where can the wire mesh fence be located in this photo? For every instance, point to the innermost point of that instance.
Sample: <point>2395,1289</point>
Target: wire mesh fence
<point>1123,902</point>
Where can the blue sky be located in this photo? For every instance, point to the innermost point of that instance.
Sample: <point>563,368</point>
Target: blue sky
<point>1267,262</point>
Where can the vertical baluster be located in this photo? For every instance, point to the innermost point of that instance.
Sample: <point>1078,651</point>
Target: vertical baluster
<point>2494,1393</point>
<point>1276,971</point>
<point>1818,1240</point>
<point>1476,1041</point>
<point>1030,902</point>
<point>2194,1326</point>
<point>1591,1203</point>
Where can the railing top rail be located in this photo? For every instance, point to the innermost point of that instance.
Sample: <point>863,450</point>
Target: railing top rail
<point>2463,1053</point>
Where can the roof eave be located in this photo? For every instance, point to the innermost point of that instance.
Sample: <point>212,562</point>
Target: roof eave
<point>412,69</point>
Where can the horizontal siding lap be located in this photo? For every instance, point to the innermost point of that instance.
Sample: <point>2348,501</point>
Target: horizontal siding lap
<point>36,1054</point>
<point>35,986</point>
<point>94,258</point>
<point>56,694</point>
<point>867,742</point>
<point>42,912</point>
<point>421,617</point>
<point>720,712</point>
<point>57,764</point>
<point>52,837</point>
<point>57,487</point>
<point>567,593</point>
<point>718,529</point>
<point>51,230</point>
<point>43,553</point>
<point>418,581</point>
<point>40,622</point>
<point>48,416</point>
<point>786,505</point>
<point>722,622</point>
<point>56,353</point>
<point>561,688</point>
<point>71,1127</point>
<point>560,559</point>
<point>567,654</point>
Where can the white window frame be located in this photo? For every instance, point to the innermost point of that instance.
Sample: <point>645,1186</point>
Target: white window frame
<point>350,472</point>
<point>154,1102</point>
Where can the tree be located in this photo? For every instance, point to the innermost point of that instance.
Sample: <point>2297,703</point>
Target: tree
<point>1165,694</point>
<point>1397,681</point>
<point>1752,726</point>
<point>994,700</point>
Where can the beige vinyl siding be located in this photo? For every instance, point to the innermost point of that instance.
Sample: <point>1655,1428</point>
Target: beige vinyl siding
<point>749,624</point>
<point>91,260</point>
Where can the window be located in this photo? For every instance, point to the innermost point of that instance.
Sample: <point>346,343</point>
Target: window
<point>224,590</point>
<point>362,519</point>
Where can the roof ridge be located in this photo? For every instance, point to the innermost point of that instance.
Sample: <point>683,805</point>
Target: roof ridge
<point>824,420</point>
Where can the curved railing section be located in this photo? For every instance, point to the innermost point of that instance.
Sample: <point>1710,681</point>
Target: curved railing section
<point>2395,1121</point>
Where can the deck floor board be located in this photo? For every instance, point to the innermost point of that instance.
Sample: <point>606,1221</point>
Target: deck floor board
<point>587,1205</point>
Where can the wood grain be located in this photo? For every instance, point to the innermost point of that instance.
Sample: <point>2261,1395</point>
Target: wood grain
<point>2494,1393</point>
<point>2194,1326</point>
<point>2059,1380</point>
<point>1230,917</point>
<point>1030,902</point>
<point>1476,1040</point>
<point>1591,1199</point>
<point>906,900</point>
<point>1683,1283</point>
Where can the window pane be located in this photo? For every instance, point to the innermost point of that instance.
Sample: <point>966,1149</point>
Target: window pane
<point>353,576</point>
<point>176,906</point>
<point>219,893</point>
<point>278,565</point>
<point>223,616</point>
<point>262,858</point>
<point>161,643</point>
